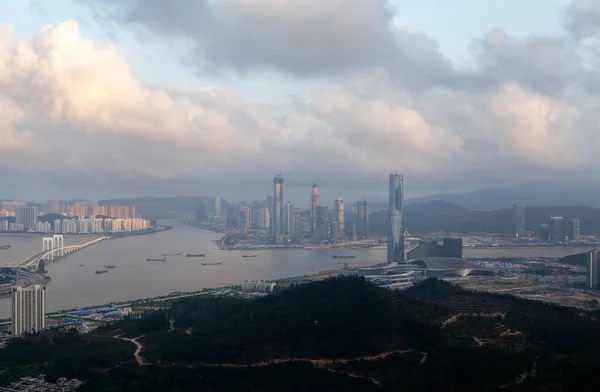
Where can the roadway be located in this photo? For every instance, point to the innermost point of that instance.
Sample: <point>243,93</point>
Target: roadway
<point>58,252</point>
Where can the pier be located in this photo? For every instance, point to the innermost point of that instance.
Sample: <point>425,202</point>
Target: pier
<point>53,247</point>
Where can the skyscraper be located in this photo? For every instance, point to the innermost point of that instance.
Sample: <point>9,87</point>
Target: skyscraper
<point>573,229</point>
<point>519,220</point>
<point>322,223</point>
<point>278,231</point>
<point>287,218</point>
<point>218,206</point>
<point>314,204</point>
<point>362,219</point>
<point>244,220</point>
<point>27,216</point>
<point>557,227</point>
<point>592,272</point>
<point>395,245</point>
<point>28,308</point>
<point>339,216</point>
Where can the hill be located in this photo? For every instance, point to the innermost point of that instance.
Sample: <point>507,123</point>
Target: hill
<point>532,194</point>
<point>443,216</point>
<point>335,335</point>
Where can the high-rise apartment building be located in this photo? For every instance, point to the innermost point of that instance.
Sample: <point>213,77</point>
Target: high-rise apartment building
<point>278,228</point>
<point>28,309</point>
<point>395,245</point>
<point>27,216</point>
<point>12,205</point>
<point>244,220</point>
<point>573,229</point>
<point>315,201</point>
<point>339,218</point>
<point>362,220</point>
<point>519,210</point>
<point>592,270</point>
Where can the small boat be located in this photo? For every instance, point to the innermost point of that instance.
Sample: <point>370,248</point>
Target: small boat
<point>163,259</point>
<point>101,271</point>
<point>81,265</point>
<point>218,263</point>
<point>249,255</point>
<point>172,254</point>
<point>343,257</point>
<point>195,255</point>
<point>109,266</point>
<point>4,247</point>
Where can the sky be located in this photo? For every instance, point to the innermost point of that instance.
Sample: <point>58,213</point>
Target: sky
<point>126,98</point>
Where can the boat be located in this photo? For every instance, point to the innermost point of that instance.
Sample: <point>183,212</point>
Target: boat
<point>195,255</point>
<point>343,257</point>
<point>218,263</point>
<point>163,259</point>
<point>172,254</point>
<point>101,271</point>
<point>4,247</point>
<point>249,255</point>
<point>81,265</point>
<point>109,266</point>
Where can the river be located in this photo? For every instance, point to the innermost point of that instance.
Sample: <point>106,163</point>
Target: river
<point>134,277</point>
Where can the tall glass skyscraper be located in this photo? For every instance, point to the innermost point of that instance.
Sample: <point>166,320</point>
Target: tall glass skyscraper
<point>278,209</point>
<point>395,245</point>
<point>314,204</point>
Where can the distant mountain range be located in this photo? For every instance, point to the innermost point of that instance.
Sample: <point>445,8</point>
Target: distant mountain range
<point>444,216</point>
<point>534,194</point>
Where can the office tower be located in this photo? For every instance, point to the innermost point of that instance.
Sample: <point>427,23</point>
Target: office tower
<point>339,218</point>
<point>244,220</point>
<point>519,220</point>
<point>287,218</point>
<point>545,232</point>
<point>322,223</point>
<point>592,272</point>
<point>395,245</point>
<point>362,220</point>
<point>278,230</point>
<point>557,229</point>
<point>269,205</point>
<point>201,212</point>
<point>27,216</point>
<point>296,226</point>
<point>314,204</point>
<point>350,230</point>
<point>28,309</point>
<point>573,229</point>
<point>218,206</point>
<point>452,247</point>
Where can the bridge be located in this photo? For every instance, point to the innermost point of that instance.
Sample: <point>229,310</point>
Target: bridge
<point>54,247</point>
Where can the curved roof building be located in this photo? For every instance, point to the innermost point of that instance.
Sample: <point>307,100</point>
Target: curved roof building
<point>450,266</point>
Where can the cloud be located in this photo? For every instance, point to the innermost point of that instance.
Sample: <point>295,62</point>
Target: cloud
<point>582,18</point>
<point>388,102</point>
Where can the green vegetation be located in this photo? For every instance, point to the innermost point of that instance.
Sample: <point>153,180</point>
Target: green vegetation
<point>334,335</point>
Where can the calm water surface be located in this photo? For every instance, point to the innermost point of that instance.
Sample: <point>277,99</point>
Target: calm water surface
<point>134,277</point>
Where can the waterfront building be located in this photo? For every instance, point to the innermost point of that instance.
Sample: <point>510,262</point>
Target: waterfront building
<point>322,223</point>
<point>28,309</point>
<point>12,226</point>
<point>218,212</point>
<point>557,229</point>
<point>339,218</point>
<point>27,216</point>
<point>43,227</point>
<point>244,220</point>
<point>592,270</point>
<point>296,226</point>
<point>395,245</point>
<point>450,247</point>
<point>278,209</point>
<point>573,229</point>
<point>315,202</point>
<point>4,225</point>
<point>362,220</point>
<point>519,210</point>
<point>350,230</point>
<point>287,219</point>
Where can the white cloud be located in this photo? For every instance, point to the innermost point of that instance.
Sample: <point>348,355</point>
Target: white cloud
<point>75,106</point>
